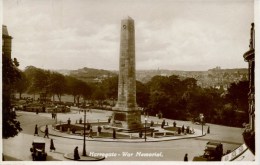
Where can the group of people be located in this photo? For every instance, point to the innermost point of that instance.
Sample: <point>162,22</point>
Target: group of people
<point>53,115</point>
<point>46,131</point>
<point>76,153</point>
<point>52,147</point>
<point>46,134</point>
<point>187,130</point>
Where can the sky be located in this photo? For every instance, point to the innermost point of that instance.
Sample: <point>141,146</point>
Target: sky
<point>192,35</point>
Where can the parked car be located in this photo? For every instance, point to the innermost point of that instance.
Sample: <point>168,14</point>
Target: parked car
<point>38,149</point>
<point>213,152</point>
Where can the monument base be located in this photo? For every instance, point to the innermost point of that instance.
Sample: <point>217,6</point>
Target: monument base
<point>129,120</point>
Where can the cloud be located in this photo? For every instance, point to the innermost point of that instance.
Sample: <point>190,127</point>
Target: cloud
<point>170,35</point>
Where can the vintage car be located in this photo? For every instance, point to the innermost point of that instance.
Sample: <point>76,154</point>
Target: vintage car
<point>38,149</point>
<point>213,152</point>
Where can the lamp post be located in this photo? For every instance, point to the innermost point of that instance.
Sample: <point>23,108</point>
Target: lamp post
<point>145,120</point>
<point>201,120</point>
<point>84,137</point>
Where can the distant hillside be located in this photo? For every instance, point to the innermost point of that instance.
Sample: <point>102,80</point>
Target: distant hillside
<point>91,75</point>
<point>216,77</point>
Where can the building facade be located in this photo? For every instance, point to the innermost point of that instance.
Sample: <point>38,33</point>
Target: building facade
<point>249,56</point>
<point>6,42</point>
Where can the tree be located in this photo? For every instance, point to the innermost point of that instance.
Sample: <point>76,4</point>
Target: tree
<point>87,90</point>
<point>56,84</point>
<point>237,98</point>
<point>142,94</point>
<point>110,87</point>
<point>238,95</point>
<point>11,74</point>
<point>39,80</point>
<point>21,85</point>
<point>99,95</point>
<point>78,88</point>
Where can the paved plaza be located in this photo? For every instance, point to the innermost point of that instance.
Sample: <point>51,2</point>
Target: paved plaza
<point>171,148</point>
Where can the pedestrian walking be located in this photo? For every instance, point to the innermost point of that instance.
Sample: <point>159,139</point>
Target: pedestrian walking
<point>52,146</point>
<point>76,154</point>
<point>186,157</point>
<point>90,133</point>
<point>36,130</point>
<point>46,132</point>
<point>114,133</point>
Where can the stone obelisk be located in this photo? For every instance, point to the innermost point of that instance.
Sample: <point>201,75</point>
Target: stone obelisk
<point>126,112</point>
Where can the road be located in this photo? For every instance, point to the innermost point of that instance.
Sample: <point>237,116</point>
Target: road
<point>18,147</point>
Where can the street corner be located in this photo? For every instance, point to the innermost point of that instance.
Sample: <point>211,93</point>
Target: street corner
<point>70,156</point>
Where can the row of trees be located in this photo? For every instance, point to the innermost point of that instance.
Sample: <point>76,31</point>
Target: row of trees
<point>172,96</point>
<point>184,100</point>
<point>37,81</point>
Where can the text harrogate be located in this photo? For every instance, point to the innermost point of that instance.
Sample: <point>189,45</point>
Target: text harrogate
<point>109,154</point>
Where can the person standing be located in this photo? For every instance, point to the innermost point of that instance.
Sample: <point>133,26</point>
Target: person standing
<point>76,154</point>
<point>174,124</point>
<point>99,129</point>
<point>140,134</point>
<point>179,130</point>
<point>52,145</point>
<point>36,130</point>
<point>114,133</point>
<point>69,122</point>
<point>188,129</point>
<point>46,132</point>
<point>182,129</point>
<point>186,157</point>
<point>152,123</point>
<point>163,124</point>
<point>80,121</point>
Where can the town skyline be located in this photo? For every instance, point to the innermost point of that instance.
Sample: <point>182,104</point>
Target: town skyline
<point>173,35</point>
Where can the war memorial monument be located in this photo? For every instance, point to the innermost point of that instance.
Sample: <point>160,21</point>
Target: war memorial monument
<point>126,110</point>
